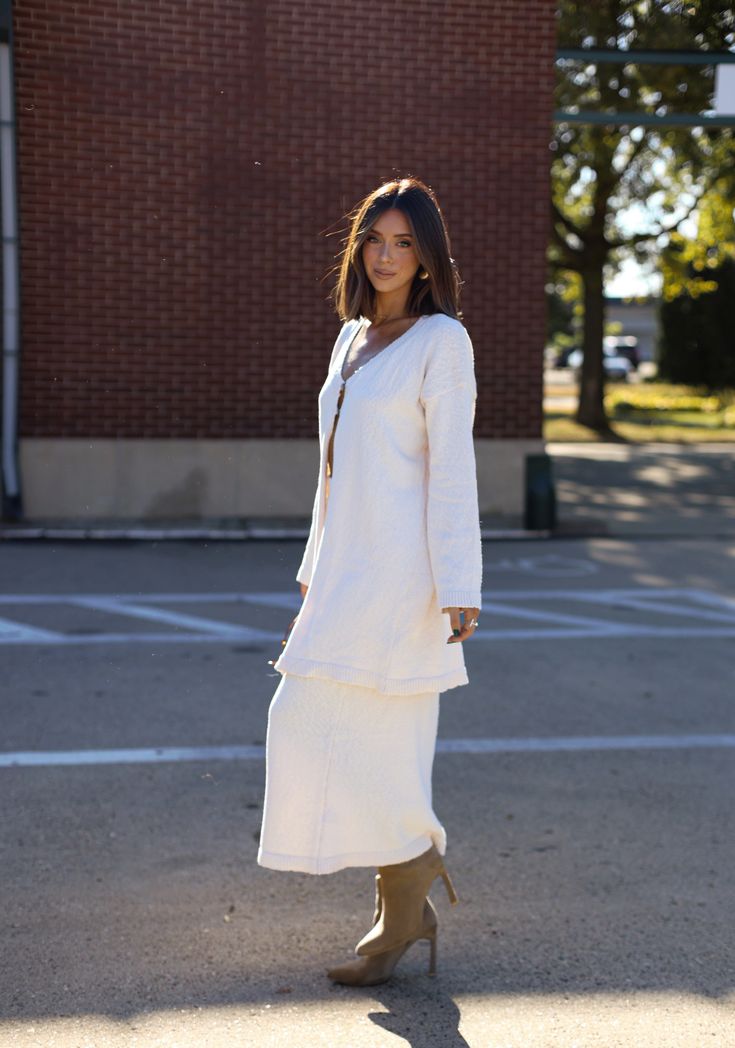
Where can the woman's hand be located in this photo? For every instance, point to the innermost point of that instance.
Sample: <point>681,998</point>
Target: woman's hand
<point>462,632</point>
<point>304,588</point>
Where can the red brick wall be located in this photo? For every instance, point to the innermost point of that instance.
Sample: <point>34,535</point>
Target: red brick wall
<point>180,163</point>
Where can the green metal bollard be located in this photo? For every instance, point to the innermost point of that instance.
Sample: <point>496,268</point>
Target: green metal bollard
<point>540,508</point>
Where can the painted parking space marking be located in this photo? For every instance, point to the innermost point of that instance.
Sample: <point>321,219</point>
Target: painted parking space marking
<point>559,614</point>
<point>564,744</point>
<point>19,633</point>
<point>549,565</point>
<point>587,623</point>
<point>149,613</point>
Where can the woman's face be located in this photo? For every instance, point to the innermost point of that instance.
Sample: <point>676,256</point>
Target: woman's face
<point>389,253</point>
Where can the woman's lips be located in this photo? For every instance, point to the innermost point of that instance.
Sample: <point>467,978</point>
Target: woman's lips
<point>380,273</point>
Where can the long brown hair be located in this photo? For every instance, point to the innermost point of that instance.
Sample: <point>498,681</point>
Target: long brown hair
<point>436,292</point>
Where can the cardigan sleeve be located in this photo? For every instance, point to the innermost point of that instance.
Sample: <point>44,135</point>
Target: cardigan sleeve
<point>448,396</point>
<point>307,561</point>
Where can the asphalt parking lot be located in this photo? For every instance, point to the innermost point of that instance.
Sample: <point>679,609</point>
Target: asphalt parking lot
<point>584,777</point>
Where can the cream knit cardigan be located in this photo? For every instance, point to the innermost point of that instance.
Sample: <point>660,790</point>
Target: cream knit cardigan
<point>400,537</point>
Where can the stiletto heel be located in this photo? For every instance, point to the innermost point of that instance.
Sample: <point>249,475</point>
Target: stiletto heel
<point>432,954</point>
<point>450,887</point>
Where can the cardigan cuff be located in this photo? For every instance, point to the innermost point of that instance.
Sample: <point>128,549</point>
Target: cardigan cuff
<point>460,598</point>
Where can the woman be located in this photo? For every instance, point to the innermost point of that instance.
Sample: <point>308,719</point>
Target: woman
<point>352,725</point>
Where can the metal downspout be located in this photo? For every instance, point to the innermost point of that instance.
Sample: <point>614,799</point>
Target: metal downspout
<point>12,505</point>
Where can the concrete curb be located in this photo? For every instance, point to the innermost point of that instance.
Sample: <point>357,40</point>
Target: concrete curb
<point>167,534</point>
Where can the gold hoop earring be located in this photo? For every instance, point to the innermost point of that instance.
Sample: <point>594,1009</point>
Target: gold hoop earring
<point>423,275</point>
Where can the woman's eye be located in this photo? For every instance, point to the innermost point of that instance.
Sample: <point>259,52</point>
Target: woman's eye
<point>401,243</point>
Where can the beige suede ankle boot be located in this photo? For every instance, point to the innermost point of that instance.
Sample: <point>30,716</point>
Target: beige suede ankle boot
<point>378,968</point>
<point>404,887</point>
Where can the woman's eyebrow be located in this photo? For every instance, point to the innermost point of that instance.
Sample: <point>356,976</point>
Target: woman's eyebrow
<point>373,230</point>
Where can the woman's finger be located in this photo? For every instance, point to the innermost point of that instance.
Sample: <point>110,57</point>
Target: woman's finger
<point>471,616</point>
<point>454,622</point>
<point>462,630</point>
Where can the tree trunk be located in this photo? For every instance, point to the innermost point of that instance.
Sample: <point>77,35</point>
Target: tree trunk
<point>591,409</point>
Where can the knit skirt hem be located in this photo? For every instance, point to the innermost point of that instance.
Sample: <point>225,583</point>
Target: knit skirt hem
<point>348,777</point>
<point>287,663</point>
<point>333,863</point>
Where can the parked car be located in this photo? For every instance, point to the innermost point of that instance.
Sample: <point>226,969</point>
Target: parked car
<point>622,346</point>
<point>613,346</point>
<point>616,368</point>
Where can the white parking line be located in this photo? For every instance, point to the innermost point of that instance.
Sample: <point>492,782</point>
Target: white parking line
<point>545,610</point>
<point>221,630</point>
<point>551,565</point>
<point>19,633</point>
<point>600,626</point>
<point>563,744</point>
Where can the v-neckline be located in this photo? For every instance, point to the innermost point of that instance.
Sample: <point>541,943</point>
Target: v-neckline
<point>375,355</point>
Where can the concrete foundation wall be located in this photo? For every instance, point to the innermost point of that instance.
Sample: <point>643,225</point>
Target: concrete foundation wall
<point>204,479</point>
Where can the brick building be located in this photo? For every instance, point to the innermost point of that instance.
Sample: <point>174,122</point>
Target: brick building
<point>183,173</point>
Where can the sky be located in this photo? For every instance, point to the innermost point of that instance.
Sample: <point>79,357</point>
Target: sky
<point>631,281</point>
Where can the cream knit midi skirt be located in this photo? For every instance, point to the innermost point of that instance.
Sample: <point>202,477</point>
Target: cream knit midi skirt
<point>348,777</point>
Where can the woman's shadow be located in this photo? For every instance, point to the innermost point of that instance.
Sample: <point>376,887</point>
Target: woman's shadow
<point>419,1011</point>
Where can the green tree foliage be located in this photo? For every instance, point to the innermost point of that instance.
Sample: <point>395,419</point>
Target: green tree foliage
<point>697,344</point>
<point>621,191</point>
<point>687,264</point>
